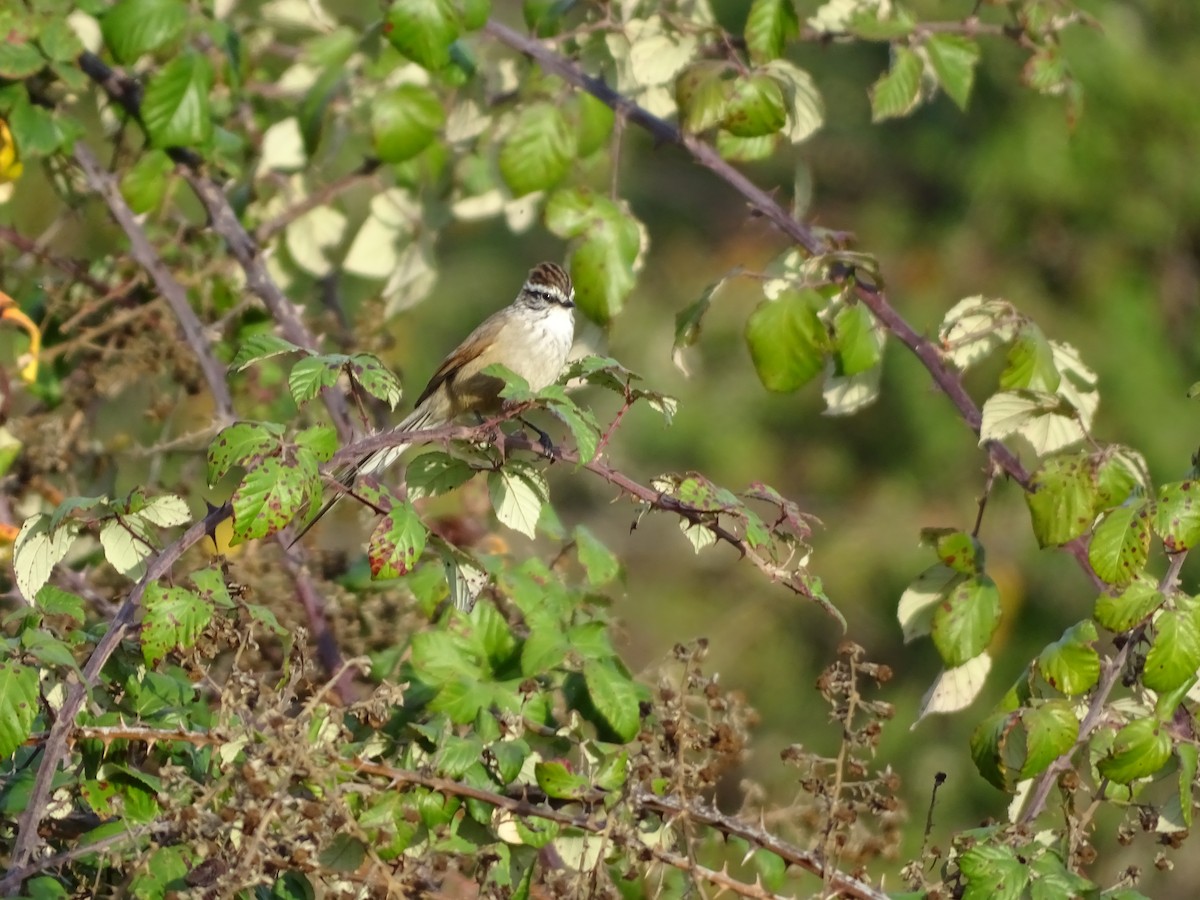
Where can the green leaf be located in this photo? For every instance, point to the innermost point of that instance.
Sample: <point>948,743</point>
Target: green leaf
<point>600,563</point>
<point>145,184</point>
<point>1031,363</point>
<point>602,268</point>
<point>127,544</point>
<point>312,374</point>
<point>1139,750</point>
<point>1131,607</point>
<point>59,42</point>
<point>345,853</point>
<point>954,58</point>
<point>164,874</point>
<point>258,347</point>
<point>38,132</point>
<point>518,494</point>
<point>958,550</point>
<point>856,346</point>
<point>436,473</point>
<point>18,705</point>
<point>174,617</point>
<point>593,122</point>
<point>38,549</point>
<point>241,444</point>
<point>404,121</point>
<point>756,107</point>
<point>267,499</point>
<point>582,423</point>
<point>920,599</point>
<point>896,93</point>
<point>538,150</point>
<point>1174,654</point>
<point>54,601</point>
<point>1120,544</point>
<point>559,782</point>
<point>702,94</point>
<point>993,871</point>
<point>1052,880</point>
<point>175,107</point>
<point>1071,664</point>
<point>396,543</point>
<point>787,341</point>
<point>136,27</point>
<point>1177,515</point>
<point>423,30</point>
<point>375,378</point>
<point>1051,729</point>
<point>614,697</point>
<point>320,440</point>
<point>769,26</point>
<point>19,60</point>
<point>1062,500</point>
<point>963,624</point>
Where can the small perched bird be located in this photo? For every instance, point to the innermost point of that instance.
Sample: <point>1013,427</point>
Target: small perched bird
<point>531,336</point>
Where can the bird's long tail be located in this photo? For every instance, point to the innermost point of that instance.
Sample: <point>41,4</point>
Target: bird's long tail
<point>417,420</point>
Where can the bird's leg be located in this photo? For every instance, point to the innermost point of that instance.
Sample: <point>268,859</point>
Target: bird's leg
<point>543,438</point>
<point>494,433</point>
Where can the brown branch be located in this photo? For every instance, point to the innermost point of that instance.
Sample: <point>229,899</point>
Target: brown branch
<point>319,197</point>
<point>224,221</point>
<point>28,839</point>
<point>171,290</point>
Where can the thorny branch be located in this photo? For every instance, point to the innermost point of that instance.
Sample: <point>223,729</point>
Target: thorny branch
<point>171,290</point>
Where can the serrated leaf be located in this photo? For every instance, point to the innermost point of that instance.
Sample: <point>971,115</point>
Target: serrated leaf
<point>241,444</point>
<point>1051,729</point>
<point>1174,655</point>
<point>320,440</point>
<point>175,107</point>
<point>436,473</point>
<point>309,376</point>
<point>127,545</point>
<point>963,624</point>
<point>376,378</point>
<point>614,697</point>
<point>600,564</point>
<point>1139,750</point>
<point>404,121</point>
<point>1120,544</point>
<point>1031,363</point>
<point>136,27</point>
<point>957,550</point>
<point>396,543</point>
<point>18,705</point>
<point>267,499</point>
<point>581,422</point>
<point>897,91</point>
<point>594,122</point>
<point>19,60</point>
<point>54,601</point>
<point>602,267</point>
<point>956,688</point>
<point>954,58</point>
<point>702,93</point>
<point>1134,605</point>
<point>806,109</point>
<point>37,549</point>
<point>538,151</point>
<point>787,340</point>
<point>173,618</point>
<point>166,511</point>
<point>769,26</point>
<point>258,347</point>
<point>1177,515</point>
<point>1061,500</point>
<point>423,30</point>
<point>559,782</point>
<point>974,328</point>
<point>1071,664</point>
<point>1047,421</point>
<point>755,108</point>
<point>518,494</point>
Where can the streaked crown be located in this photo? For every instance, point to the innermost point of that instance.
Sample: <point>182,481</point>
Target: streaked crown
<point>549,283</point>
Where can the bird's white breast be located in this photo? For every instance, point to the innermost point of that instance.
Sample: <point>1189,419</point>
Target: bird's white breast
<point>550,335</point>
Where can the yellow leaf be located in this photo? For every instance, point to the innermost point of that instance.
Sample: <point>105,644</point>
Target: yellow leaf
<point>9,311</point>
<point>10,162</point>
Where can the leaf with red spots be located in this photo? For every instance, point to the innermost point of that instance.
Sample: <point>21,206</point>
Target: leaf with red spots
<point>964,622</point>
<point>268,498</point>
<point>1177,515</point>
<point>396,543</point>
<point>1121,543</point>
